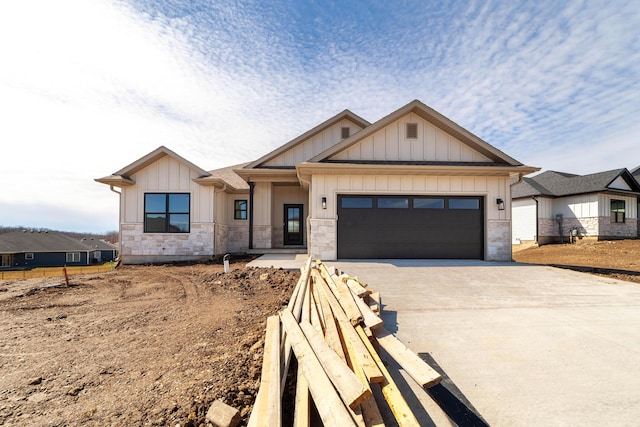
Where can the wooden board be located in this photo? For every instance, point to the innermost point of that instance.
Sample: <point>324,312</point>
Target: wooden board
<point>331,408</point>
<point>417,368</point>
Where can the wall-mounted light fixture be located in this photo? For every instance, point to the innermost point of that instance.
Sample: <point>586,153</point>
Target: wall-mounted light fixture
<point>500,204</point>
<point>324,203</point>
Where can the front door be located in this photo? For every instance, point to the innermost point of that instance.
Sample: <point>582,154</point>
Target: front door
<point>5,260</point>
<point>293,225</point>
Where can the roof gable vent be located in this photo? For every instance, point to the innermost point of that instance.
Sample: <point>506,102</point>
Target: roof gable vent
<point>411,131</point>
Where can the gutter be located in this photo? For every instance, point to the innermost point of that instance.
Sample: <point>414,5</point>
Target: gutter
<point>535,199</point>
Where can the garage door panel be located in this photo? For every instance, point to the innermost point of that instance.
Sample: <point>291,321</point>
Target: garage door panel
<point>411,232</point>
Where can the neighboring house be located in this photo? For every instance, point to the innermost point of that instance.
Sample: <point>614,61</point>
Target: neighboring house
<point>33,248</point>
<point>601,205</point>
<point>412,185</point>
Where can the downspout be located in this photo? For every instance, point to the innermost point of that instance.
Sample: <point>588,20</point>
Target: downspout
<point>537,225</point>
<point>119,193</point>
<point>251,189</point>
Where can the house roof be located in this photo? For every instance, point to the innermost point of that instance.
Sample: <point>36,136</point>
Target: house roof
<point>430,115</point>
<point>346,114</point>
<point>558,184</point>
<point>226,178</point>
<point>19,241</point>
<point>121,177</point>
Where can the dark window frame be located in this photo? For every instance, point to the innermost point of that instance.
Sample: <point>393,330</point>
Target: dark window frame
<point>240,212</point>
<point>168,213</point>
<point>618,211</point>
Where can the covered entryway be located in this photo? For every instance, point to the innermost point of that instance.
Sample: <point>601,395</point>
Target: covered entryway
<point>381,226</point>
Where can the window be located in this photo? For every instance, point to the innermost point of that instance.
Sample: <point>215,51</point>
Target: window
<point>73,256</point>
<point>393,203</point>
<point>28,255</point>
<point>240,209</point>
<point>411,131</point>
<point>345,132</point>
<point>424,203</point>
<point>356,202</point>
<point>464,204</point>
<point>166,212</point>
<point>617,210</point>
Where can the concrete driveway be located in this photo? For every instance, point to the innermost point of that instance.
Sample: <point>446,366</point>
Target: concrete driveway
<point>527,345</point>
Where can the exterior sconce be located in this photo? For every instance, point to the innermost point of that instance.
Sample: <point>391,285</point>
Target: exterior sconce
<point>324,203</point>
<point>500,204</point>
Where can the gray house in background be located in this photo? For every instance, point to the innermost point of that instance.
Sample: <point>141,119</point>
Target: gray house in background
<point>548,207</point>
<point>33,248</point>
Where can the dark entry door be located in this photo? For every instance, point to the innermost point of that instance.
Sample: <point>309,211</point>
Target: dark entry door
<point>293,225</point>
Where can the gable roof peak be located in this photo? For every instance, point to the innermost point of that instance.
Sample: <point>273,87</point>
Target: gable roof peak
<point>344,114</point>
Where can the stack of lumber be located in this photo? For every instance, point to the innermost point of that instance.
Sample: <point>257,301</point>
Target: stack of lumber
<point>333,329</point>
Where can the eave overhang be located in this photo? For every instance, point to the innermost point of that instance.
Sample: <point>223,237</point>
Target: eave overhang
<point>268,175</point>
<point>220,184</point>
<point>307,169</point>
<point>116,181</point>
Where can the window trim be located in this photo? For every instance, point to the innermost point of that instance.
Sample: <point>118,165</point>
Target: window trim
<point>29,256</point>
<point>167,213</point>
<point>237,212</point>
<point>618,216</point>
<point>73,257</point>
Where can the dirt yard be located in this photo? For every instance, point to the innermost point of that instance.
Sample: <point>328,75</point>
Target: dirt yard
<point>619,259</point>
<point>142,345</point>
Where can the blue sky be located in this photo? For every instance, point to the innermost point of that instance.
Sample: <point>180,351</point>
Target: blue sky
<point>89,86</point>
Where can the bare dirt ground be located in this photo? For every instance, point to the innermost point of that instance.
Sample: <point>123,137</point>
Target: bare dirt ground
<point>142,345</point>
<point>618,259</point>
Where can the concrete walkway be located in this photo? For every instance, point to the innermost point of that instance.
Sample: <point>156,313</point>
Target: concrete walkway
<point>527,345</point>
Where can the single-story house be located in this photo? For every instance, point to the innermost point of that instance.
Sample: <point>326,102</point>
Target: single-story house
<point>547,207</point>
<point>414,184</point>
<point>44,248</point>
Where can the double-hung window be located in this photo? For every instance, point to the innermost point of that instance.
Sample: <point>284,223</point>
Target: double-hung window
<point>167,212</point>
<point>617,210</point>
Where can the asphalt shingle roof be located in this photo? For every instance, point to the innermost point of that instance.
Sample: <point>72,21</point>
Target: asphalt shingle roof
<point>47,241</point>
<point>557,184</point>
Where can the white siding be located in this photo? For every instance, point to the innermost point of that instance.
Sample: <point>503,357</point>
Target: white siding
<point>171,176</point>
<point>313,146</point>
<point>523,220</point>
<point>390,144</point>
<point>620,184</point>
<point>630,203</point>
<point>581,206</point>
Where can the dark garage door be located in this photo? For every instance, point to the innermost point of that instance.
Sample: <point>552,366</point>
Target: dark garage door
<point>410,227</point>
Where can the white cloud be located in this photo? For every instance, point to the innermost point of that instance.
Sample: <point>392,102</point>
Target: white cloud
<point>88,87</point>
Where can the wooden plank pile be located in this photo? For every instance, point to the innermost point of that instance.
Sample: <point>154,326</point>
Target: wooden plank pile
<point>332,327</point>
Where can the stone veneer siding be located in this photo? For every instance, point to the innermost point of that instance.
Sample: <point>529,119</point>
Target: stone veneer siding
<point>138,247</point>
<point>498,241</point>
<point>598,227</point>
<point>262,237</point>
<point>323,239</point>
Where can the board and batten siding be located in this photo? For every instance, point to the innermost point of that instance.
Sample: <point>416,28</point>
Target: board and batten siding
<point>314,145</point>
<point>390,144</point>
<point>167,175</point>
